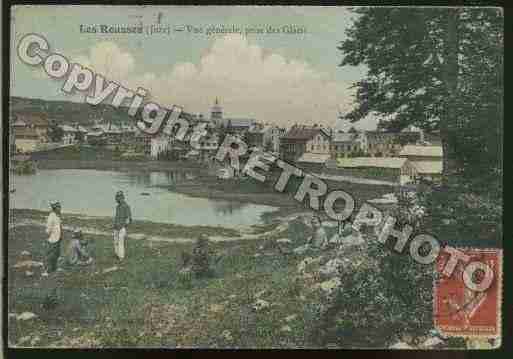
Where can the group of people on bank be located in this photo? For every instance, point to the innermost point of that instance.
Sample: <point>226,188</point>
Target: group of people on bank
<point>79,253</point>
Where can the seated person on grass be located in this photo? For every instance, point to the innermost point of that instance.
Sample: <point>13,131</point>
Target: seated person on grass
<point>202,257</point>
<point>79,250</point>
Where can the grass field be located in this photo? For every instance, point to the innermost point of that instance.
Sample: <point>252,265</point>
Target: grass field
<point>143,303</point>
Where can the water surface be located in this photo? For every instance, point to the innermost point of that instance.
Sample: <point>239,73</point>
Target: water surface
<point>91,193</point>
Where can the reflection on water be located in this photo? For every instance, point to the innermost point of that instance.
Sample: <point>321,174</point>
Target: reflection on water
<point>91,192</point>
<point>227,207</point>
<point>156,179</point>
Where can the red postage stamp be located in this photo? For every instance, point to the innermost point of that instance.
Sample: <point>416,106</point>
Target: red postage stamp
<point>467,293</point>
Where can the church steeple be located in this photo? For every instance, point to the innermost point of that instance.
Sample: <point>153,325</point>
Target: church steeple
<point>216,113</point>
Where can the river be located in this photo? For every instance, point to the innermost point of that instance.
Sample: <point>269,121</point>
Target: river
<point>91,193</point>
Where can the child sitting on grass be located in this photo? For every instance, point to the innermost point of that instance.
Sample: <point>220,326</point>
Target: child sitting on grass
<point>199,264</point>
<point>79,250</point>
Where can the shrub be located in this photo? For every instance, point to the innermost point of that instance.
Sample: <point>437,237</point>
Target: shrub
<point>389,294</point>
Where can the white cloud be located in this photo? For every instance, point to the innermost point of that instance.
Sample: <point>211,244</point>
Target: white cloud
<point>108,59</point>
<point>253,82</point>
<point>249,80</point>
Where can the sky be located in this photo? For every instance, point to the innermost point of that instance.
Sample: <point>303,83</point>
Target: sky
<point>278,78</point>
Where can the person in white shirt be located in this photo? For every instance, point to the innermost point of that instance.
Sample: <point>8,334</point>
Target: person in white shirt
<point>54,231</point>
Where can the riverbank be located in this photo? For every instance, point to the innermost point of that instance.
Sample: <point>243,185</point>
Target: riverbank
<point>142,302</point>
<point>138,229</point>
<point>258,297</point>
<point>112,165</point>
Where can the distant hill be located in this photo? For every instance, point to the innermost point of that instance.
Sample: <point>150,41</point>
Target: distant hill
<point>65,112</point>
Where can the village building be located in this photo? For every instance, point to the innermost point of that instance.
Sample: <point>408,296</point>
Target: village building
<point>382,144</point>
<point>106,134</point>
<point>428,170</point>
<point>301,139</point>
<point>128,133</point>
<point>254,137</point>
<point>39,123</point>
<point>272,135</point>
<point>394,169</point>
<point>422,153</point>
<point>238,126</point>
<point>427,160</point>
<point>208,146</point>
<point>142,143</point>
<point>234,125</point>
<point>73,134</point>
<point>166,147</point>
<point>26,139</point>
<point>159,144</point>
<point>349,144</point>
<point>29,131</point>
<point>216,113</point>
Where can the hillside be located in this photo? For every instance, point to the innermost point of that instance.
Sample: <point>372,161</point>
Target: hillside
<point>66,112</point>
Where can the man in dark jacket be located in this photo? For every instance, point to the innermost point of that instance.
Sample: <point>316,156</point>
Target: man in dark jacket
<point>122,218</point>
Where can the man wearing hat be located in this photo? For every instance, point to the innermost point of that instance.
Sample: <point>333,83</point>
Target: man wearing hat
<point>122,218</point>
<point>54,231</point>
<point>79,253</point>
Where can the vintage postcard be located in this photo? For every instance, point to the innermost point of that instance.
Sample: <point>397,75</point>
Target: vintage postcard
<point>254,177</point>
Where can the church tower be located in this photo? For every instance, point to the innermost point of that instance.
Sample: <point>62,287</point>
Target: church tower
<point>216,113</point>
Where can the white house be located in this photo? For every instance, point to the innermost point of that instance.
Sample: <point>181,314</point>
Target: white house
<point>397,169</point>
<point>71,133</point>
<point>272,135</point>
<point>160,143</point>
<point>430,170</point>
<point>422,153</point>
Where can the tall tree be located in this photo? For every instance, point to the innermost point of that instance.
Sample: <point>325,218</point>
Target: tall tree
<point>435,68</point>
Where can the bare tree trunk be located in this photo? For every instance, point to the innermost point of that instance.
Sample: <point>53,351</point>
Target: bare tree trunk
<point>449,120</point>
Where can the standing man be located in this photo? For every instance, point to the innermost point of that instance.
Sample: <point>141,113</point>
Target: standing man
<point>54,231</point>
<point>122,219</point>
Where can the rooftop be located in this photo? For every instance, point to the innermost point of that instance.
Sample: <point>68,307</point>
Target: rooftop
<point>427,151</point>
<point>303,133</point>
<point>314,158</point>
<point>26,133</point>
<point>344,137</point>
<point>68,128</point>
<point>379,162</point>
<point>428,167</point>
<point>238,122</point>
<point>32,119</point>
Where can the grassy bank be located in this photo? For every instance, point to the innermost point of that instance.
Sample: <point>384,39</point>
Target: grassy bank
<point>143,304</point>
<point>104,224</point>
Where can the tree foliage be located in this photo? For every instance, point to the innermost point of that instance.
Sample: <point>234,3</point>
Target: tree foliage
<point>440,69</point>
